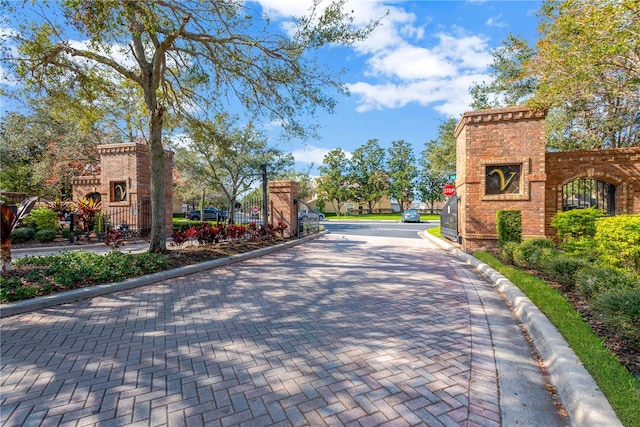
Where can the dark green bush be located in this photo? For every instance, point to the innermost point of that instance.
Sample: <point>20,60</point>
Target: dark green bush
<point>506,252</point>
<point>562,268</point>
<point>43,236</point>
<point>529,254</point>
<point>23,234</point>
<point>509,226</point>
<point>70,270</point>
<point>593,280</point>
<point>620,311</point>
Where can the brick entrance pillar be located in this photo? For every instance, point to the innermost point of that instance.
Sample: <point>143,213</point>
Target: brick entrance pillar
<point>283,196</point>
<point>500,164</point>
<point>125,182</point>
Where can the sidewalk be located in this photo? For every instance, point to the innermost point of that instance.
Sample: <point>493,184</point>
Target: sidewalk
<point>337,331</point>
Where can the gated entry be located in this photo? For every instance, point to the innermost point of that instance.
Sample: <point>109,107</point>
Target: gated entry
<point>449,219</point>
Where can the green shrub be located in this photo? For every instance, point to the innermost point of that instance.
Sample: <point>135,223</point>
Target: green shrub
<point>23,234</point>
<point>29,222</point>
<point>509,226</point>
<point>561,267</point>
<point>65,232</point>
<point>584,247</point>
<point>44,219</point>
<point>69,270</point>
<point>506,252</point>
<point>529,254</point>
<point>593,280</point>
<point>618,240</point>
<point>576,224</point>
<point>619,310</point>
<point>44,236</point>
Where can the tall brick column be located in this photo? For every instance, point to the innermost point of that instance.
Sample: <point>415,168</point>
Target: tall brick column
<point>283,196</point>
<point>488,143</point>
<point>128,167</point>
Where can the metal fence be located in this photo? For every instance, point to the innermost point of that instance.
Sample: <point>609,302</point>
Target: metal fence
<point>449,219</point>
<point>309,223</point>
<point>130,221</point>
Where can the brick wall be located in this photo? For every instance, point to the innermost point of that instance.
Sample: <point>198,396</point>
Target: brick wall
<point>283,196</point>
<point>128,164</point>
<point>620,167</point>
<point>487,139</point>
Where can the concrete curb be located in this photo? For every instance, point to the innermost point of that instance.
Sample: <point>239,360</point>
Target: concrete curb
<point>19,307</point>
<point>578,391</point>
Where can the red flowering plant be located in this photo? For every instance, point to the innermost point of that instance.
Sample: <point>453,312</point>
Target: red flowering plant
<point>253,231</point>
<point>208,235</point>
<point>279,228</point>
<point>181,236</point>
<point>115,239</point>
<point>236,232</point>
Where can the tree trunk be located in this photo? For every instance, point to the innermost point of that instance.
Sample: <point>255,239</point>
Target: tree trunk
<point>158,239</point>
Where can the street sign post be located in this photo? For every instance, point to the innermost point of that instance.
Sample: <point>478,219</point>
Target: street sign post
<point>449,190</point>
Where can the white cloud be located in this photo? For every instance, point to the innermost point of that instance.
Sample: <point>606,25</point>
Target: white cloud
<point>406,64</point>
<point>496,21</point>
<point>409,63</point>
<point>449,96</point>
<point>310,154</point>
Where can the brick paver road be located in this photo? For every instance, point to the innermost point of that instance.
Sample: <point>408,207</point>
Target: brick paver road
<point>364,331</point>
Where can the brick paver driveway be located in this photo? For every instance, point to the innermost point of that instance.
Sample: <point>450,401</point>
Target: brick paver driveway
<point>333,332</point>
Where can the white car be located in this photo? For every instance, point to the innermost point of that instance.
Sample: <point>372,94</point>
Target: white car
<point>307,214</point>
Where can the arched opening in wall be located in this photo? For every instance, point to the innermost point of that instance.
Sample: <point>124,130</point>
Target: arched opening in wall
<point>95,196</point>
<point>588,192</point>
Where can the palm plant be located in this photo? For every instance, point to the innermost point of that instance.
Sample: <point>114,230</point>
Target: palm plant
<point>88,208</point>
<point>10,218</point>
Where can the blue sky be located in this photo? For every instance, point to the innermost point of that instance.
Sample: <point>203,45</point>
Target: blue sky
<point>415,70</point>
<point>411,74</point>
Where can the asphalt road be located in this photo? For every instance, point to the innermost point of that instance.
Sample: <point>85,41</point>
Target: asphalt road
<point>394,229</point>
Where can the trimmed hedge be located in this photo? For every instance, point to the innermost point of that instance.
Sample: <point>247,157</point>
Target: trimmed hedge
<point>509,226</point>
<point>23,234</point>
<point>44,236</point>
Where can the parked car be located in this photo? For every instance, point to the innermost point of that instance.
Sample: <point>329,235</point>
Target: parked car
<point>411,215</point>
<point>210,214</point>
<point>308,214</point>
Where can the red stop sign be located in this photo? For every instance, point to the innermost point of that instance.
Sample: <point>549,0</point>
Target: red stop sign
<point>449,190</point>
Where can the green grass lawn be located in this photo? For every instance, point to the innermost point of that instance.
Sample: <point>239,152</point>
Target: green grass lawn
<point>620,387</point>
<point>379,217</point>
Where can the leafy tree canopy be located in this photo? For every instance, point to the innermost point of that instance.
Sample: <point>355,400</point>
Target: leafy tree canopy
<point>227,158</point>
<point>584,69</point>
<point>402,173</point>
<point>334,183</point>
<point>188,57</point>
<point>369,179</point>
<point>41,152</point>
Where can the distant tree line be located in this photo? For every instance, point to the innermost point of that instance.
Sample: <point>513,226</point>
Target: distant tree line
<point>372,173</point>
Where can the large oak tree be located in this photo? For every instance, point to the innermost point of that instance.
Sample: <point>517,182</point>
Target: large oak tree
<point>188,57</point>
